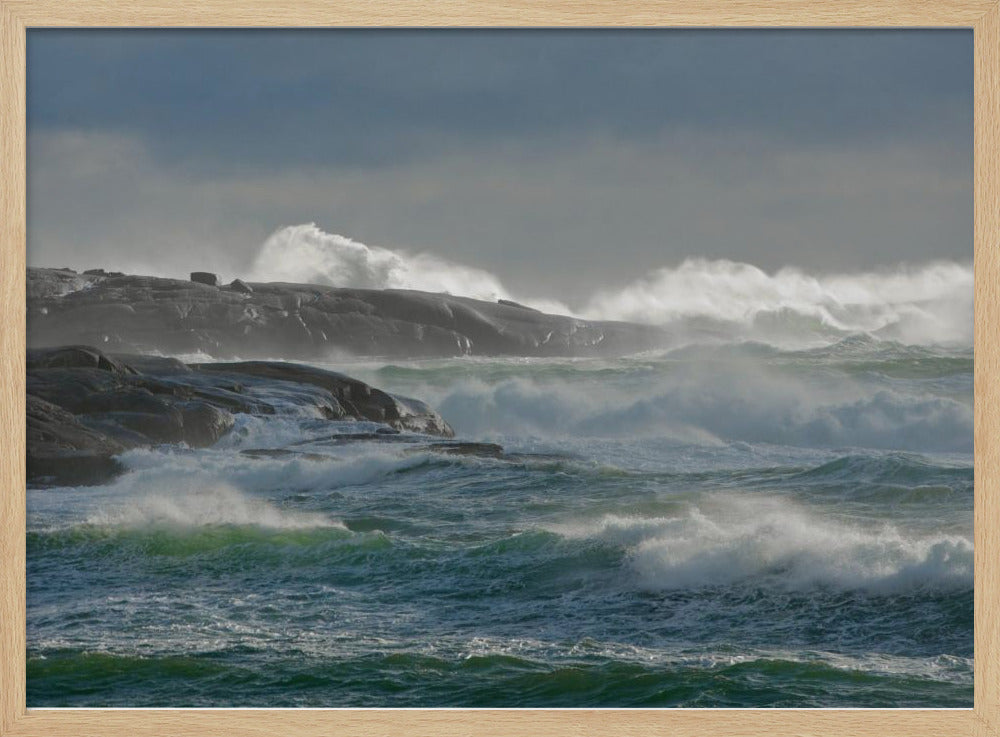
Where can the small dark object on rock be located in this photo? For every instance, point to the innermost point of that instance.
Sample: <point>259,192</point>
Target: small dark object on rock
<point>205,277</point>
<point>238,285</point>
<point>283,453</point>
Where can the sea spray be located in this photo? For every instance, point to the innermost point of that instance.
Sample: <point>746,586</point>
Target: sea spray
<point>928,303</point>
<point>758,540</point>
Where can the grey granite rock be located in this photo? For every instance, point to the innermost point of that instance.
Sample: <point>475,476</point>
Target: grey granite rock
<point>301,322</point>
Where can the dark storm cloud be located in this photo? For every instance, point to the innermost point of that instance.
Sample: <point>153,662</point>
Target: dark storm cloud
<point>240,99</point>
<point>562,161</point>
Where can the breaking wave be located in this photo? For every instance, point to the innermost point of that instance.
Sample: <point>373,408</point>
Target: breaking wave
<point>928,303</point>
<point>709,405</point>
<point>305,253</point>
<point>212,504</point>
<point>729,539</point>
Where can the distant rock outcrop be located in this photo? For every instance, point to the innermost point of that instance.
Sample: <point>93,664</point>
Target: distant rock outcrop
<point>144,314</point>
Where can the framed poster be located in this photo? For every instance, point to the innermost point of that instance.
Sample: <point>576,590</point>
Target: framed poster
<point>626,375</point>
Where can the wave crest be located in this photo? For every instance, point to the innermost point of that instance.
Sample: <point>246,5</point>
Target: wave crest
<point>710,404</point>
<point>931,303</point>
<point>212,504</point>
<point>729,540</point>
<point>913,304</point>
<point>305,253</point>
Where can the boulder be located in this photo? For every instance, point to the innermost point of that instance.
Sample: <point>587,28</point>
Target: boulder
<point>238,285</point>
<point>205,277</point>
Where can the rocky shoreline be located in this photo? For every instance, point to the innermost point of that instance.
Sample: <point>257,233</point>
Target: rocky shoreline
<point>85,406</point>
<point>142,314</point>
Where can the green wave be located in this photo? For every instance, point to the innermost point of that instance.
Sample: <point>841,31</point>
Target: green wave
<point>404,679</point>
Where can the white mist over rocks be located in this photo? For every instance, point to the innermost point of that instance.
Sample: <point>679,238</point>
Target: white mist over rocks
<point>930,303</point>
<point>307,254</point>
<point>927,303</point>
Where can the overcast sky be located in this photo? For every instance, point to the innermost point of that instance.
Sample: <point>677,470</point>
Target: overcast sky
<point>559,160</point>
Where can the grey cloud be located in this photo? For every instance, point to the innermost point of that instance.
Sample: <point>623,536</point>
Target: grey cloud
<point>558,225</point>
<point>214,101</point>
<point>559,160</point>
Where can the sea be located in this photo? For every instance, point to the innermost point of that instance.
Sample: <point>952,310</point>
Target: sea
<point>722,523</point>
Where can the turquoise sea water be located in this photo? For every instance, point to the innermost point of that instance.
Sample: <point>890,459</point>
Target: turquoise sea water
<point>718,525</point>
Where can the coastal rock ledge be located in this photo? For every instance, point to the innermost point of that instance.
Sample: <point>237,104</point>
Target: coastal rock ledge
<point>302,322</point>
<point>85,406</point>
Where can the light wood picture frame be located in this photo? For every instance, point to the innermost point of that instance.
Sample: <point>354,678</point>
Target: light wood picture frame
<point>17,16</point>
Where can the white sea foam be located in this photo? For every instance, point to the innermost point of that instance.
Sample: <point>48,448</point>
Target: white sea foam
<point>220,487</point>
<point>727,539</point>
<point>360,465</point>
<point>210,502</point>
<point>949,668</point>
<point>710,402</point>
<point>917,304</point>
<point>305,253</point>
<point>929,303</point>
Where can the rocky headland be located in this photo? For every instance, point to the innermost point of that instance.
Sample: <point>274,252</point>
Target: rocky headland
<point>301,322</point>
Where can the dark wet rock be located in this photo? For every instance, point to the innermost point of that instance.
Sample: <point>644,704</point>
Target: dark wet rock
<point>343,438</point>
<point>75,356</point>
<point>478,450</point>
<point>205,277</point>
<point>142,314</point>
<point>204,423</point>
<point>61,450</point>
<point>354,398</point>
<point>85,406</point>
<point>159,365</point>
<point>283,453</point>
<point>415,443</point>
<point>196,423</point>
<point>121,405</point>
